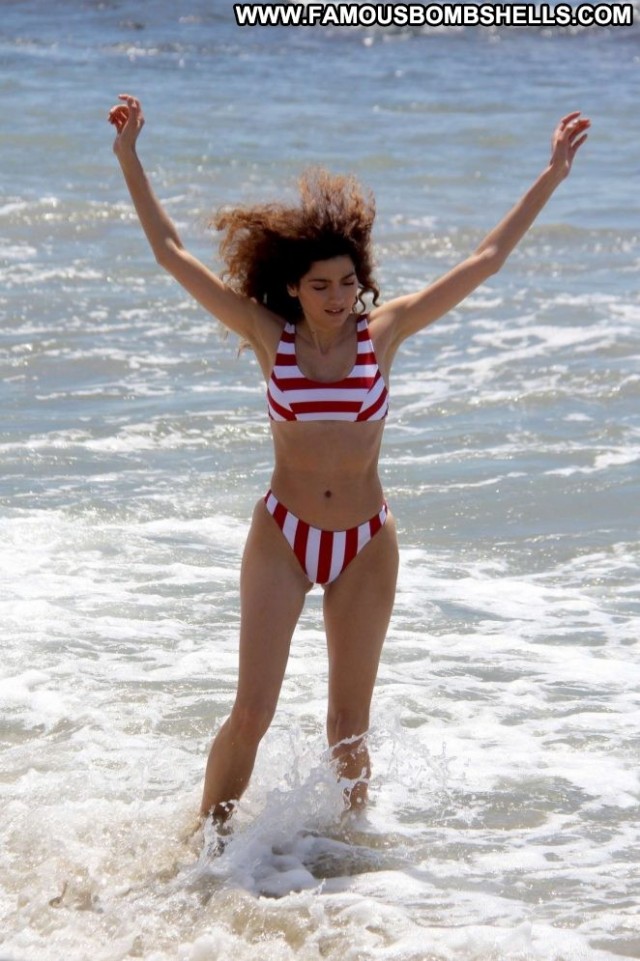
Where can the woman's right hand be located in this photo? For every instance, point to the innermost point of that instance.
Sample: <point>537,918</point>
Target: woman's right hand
<point>128,120</point>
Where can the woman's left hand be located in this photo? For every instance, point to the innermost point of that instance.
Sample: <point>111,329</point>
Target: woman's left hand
<point>128,120</point>
<point>567,138</point>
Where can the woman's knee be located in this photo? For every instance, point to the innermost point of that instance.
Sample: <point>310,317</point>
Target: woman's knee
<point>248,723</point>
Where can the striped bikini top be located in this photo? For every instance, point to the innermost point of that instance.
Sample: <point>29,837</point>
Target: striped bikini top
<point>360,396</point>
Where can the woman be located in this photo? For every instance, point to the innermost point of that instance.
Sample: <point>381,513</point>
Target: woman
<point>296,279</point>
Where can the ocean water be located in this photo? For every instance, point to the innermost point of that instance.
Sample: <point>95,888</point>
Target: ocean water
<point>505,802</point>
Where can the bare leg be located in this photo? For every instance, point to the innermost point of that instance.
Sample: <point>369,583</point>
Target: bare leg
<point>272,592</point>
<point>357,609</point>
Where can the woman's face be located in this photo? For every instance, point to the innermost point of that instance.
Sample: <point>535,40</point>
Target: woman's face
<point>328,291</point>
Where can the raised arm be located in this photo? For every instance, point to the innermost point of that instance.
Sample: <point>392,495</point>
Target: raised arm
<point>236,312</point>
<point>406,315</point>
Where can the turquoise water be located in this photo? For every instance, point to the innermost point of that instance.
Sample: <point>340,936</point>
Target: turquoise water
<point>134,442</point>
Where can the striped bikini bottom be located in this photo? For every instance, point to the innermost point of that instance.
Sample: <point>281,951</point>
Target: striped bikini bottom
<point>323,555</point>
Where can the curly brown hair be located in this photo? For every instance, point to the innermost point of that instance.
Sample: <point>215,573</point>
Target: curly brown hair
<point>269,246</point>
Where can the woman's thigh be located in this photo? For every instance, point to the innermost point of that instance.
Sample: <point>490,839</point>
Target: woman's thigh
<point>272,594</point>
<point>357,610</point>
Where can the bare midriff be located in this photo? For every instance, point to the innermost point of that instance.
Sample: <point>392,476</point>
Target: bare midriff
<point>326,472</point>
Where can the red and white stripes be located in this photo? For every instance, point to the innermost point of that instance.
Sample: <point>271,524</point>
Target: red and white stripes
<point>323,555</point>
<point>361,396</point>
